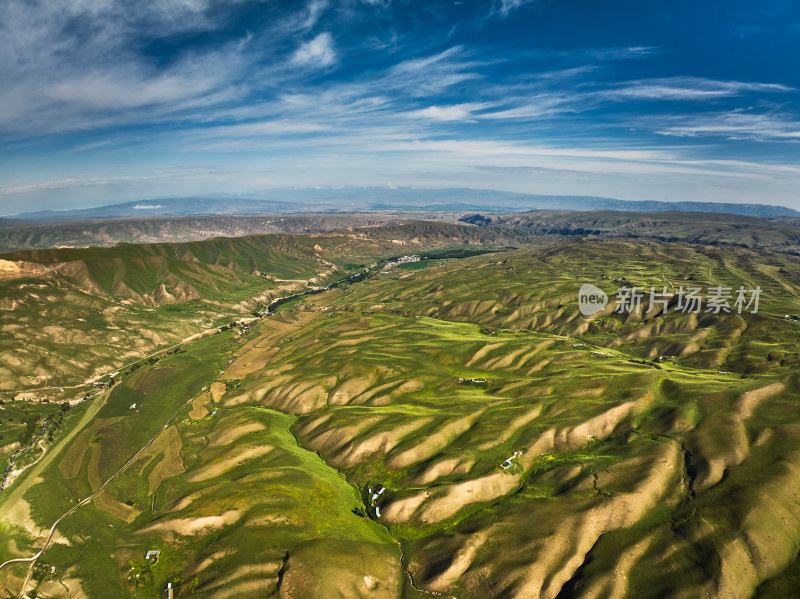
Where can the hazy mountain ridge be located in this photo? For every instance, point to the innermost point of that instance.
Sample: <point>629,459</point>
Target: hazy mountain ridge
<point>777,234</point>
<point>165,207</point>
<point>349,199</point>
<point>108,232</point>
<point>703,228</point>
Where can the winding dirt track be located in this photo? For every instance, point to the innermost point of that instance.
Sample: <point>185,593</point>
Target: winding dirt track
<point>32,560</point>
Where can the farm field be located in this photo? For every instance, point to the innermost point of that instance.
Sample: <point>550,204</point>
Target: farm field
<point>458,429</point>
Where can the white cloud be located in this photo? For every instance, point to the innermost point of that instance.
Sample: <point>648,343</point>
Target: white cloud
<point>419,64</point>
<point>504,7</point>
<point>315,10</point>
<point>109,90</point>
<point>63,183</point>
<point>254,96</point>
<point>318,52</point>
<point>429,75</point>
<point>263,129</point>
<point>532,108</point>
<point>73,65</point>
<point>734,125</point>
<point>687,88</point>
<point>499,149</point>
<point>456,112</point>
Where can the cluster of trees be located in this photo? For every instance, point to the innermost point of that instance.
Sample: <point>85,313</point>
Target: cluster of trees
<point>57,420</point>
<point>31,427</point>
<point>34,424</point>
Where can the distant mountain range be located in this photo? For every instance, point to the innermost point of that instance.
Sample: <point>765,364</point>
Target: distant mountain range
<point>401,199</point>
<point>162,207</point>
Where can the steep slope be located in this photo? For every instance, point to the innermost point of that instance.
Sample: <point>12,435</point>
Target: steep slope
<point>692,227</point>
<point>493,441</point>
<point>617,466</point>
<point>71,315</point>
<point>17,235</point>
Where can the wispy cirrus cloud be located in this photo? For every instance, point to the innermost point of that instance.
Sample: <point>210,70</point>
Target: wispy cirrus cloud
<point>315,10</point>
<point>506,7</point>
<point>64,183</point>
<point>354,82</point>
<point>687,88</point>
<point>69,65</point>
<point>107,90</point>
<point>536,107</point>
<point>734,125</point>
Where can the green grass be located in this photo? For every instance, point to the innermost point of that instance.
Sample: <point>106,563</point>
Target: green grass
<point>415,265</point>
<point>314,499</point>
<point>302,490</point>
<point>14,416</point>
<point>616,452</point>
<point>458,252</point>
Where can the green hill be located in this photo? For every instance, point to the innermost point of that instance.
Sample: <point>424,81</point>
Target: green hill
<point>457,427</point>
<point>71,315</point>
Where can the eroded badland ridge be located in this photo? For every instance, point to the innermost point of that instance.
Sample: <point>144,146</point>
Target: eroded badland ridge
<point>446,425</point>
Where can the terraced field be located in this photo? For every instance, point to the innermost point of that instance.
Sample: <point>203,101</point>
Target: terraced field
<point>456,429</point>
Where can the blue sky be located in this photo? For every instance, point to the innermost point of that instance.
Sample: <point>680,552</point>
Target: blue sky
<point>106,101</point>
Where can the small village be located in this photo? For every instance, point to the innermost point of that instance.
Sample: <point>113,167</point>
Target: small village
<point>402,260</point>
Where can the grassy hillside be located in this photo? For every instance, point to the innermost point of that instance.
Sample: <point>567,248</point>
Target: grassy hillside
<point>525,450</point>
<point>430,379</point>
<point>234,491</point>
<point>71,315</point>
